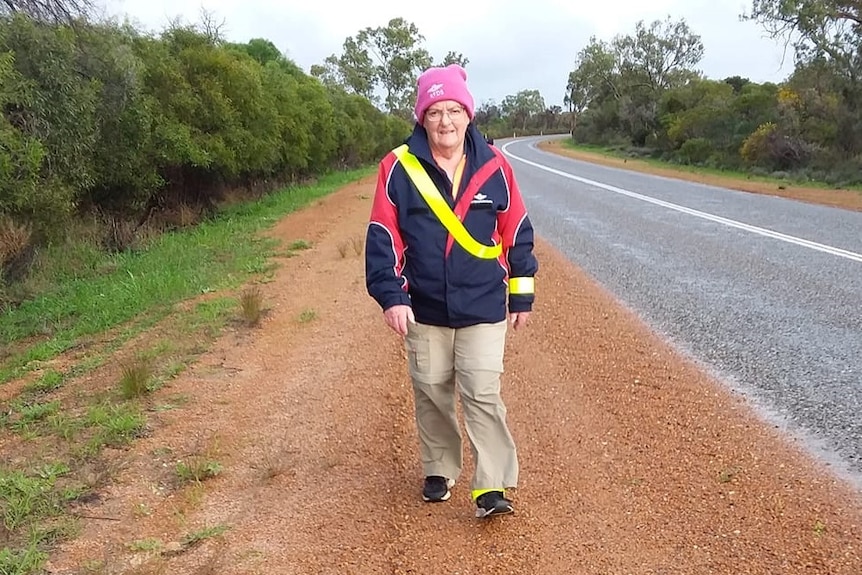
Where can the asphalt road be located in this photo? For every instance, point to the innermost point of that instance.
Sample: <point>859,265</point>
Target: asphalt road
<point>764,292</point>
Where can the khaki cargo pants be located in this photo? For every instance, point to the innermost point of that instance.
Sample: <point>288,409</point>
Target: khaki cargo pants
<point>470,359</point>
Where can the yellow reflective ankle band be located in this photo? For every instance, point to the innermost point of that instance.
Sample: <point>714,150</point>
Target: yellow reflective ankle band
<point>477,493</point>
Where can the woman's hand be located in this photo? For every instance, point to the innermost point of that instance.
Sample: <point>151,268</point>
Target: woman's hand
<point>397,317</point>
<point>519,319</point>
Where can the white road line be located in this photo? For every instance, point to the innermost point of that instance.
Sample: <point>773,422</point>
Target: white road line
<point>706,216</point>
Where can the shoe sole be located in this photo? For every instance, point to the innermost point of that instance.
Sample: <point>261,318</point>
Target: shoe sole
<point>450,483</point>
<point>483,513</point>
<point>437,499</point>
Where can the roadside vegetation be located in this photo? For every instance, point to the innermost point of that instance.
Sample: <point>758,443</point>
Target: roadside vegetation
<point>641,94</point>
<point>622,156</point>
<point>182,290</point>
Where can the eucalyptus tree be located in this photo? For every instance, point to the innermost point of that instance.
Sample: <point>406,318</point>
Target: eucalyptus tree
<point>827,39</point>
<point>382,65</point>
<point>522,107</point>
<point>455,58</point>
<point>815,28</point>
<point>618,84</point>
<point>353,71</point>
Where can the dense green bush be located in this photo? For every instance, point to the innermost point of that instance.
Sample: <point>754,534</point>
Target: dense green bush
<point>102,118</point>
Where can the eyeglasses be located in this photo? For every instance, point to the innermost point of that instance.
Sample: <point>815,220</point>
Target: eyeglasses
<point>435,115</point>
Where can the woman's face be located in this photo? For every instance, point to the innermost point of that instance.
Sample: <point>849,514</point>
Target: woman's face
<point>446,123</point>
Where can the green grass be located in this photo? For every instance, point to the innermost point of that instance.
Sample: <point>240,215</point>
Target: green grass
<point>197,469</point>
<point>616,152</point>
<point>195,537</point>
<point>215,255</point>
<point>307,315</point>
<point>147,545</point>
<point>21,561</point>
<point>24,495</point>
<point>49,381</point>
<point>111,425</point>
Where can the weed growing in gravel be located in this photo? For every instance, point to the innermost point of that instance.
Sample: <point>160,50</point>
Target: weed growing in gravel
<point>251,306</point>
<point>135,379</point>
<point>727,475</point>
<point>819,528</point>
<point>299,245</point>
<point>113,425</point>
<point>343,246</point>
<point>358,245</point>
<point>201,535</point>
<point>31,417</point>
<point>307,315</point>
<point>197,468</point>
<point>148,545</point>
<point>274,463</point>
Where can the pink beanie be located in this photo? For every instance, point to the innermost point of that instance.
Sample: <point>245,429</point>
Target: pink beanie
<point>436,84</point>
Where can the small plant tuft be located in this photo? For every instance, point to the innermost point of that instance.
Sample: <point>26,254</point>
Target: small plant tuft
<point>251,306</point>
<point>201,535</point>
<point>197,469</point>
<point>300,245</point>
<point>31,415</point>
<point>727,475</point>
<point>343,247</point>
<point>275,464</point>
<point>113,425</point>
<point>358,245</point>
<point>142,510</point>
<point>819,528</point>
<point>136,378</point>
<point>148,545</point>
<point>307,315</point>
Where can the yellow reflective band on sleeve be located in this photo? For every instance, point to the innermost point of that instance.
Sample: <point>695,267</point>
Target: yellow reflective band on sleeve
<point>441,209</point>
<point>522,285</point>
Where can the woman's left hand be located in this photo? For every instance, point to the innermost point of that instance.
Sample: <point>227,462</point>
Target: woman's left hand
<point>519,319</point>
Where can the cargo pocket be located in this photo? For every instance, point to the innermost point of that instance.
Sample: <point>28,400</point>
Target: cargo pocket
<point>418,348</point>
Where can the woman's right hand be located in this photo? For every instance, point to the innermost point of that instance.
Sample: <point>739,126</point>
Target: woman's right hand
<point>397,317</point>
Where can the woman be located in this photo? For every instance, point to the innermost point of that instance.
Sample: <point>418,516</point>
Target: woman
<point>449,255</point>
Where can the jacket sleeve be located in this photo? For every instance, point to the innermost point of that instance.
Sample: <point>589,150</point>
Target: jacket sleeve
<point>384,246</point>
<point>517,236</point>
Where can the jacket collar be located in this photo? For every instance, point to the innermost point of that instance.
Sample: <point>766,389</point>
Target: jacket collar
<point>475,147</point>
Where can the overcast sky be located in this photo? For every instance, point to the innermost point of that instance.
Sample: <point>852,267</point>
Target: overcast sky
<point>511,45</point>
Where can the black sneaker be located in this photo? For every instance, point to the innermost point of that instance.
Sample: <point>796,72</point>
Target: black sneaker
<point>436,488</point>
<point>493,503</point>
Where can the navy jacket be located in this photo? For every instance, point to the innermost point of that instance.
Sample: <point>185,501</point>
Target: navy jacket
<point>411,259</point>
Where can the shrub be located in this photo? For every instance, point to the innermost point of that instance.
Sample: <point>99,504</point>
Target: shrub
<point>695,151</point>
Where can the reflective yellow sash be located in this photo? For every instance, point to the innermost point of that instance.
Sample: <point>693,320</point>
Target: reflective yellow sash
<point>441,209</point>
